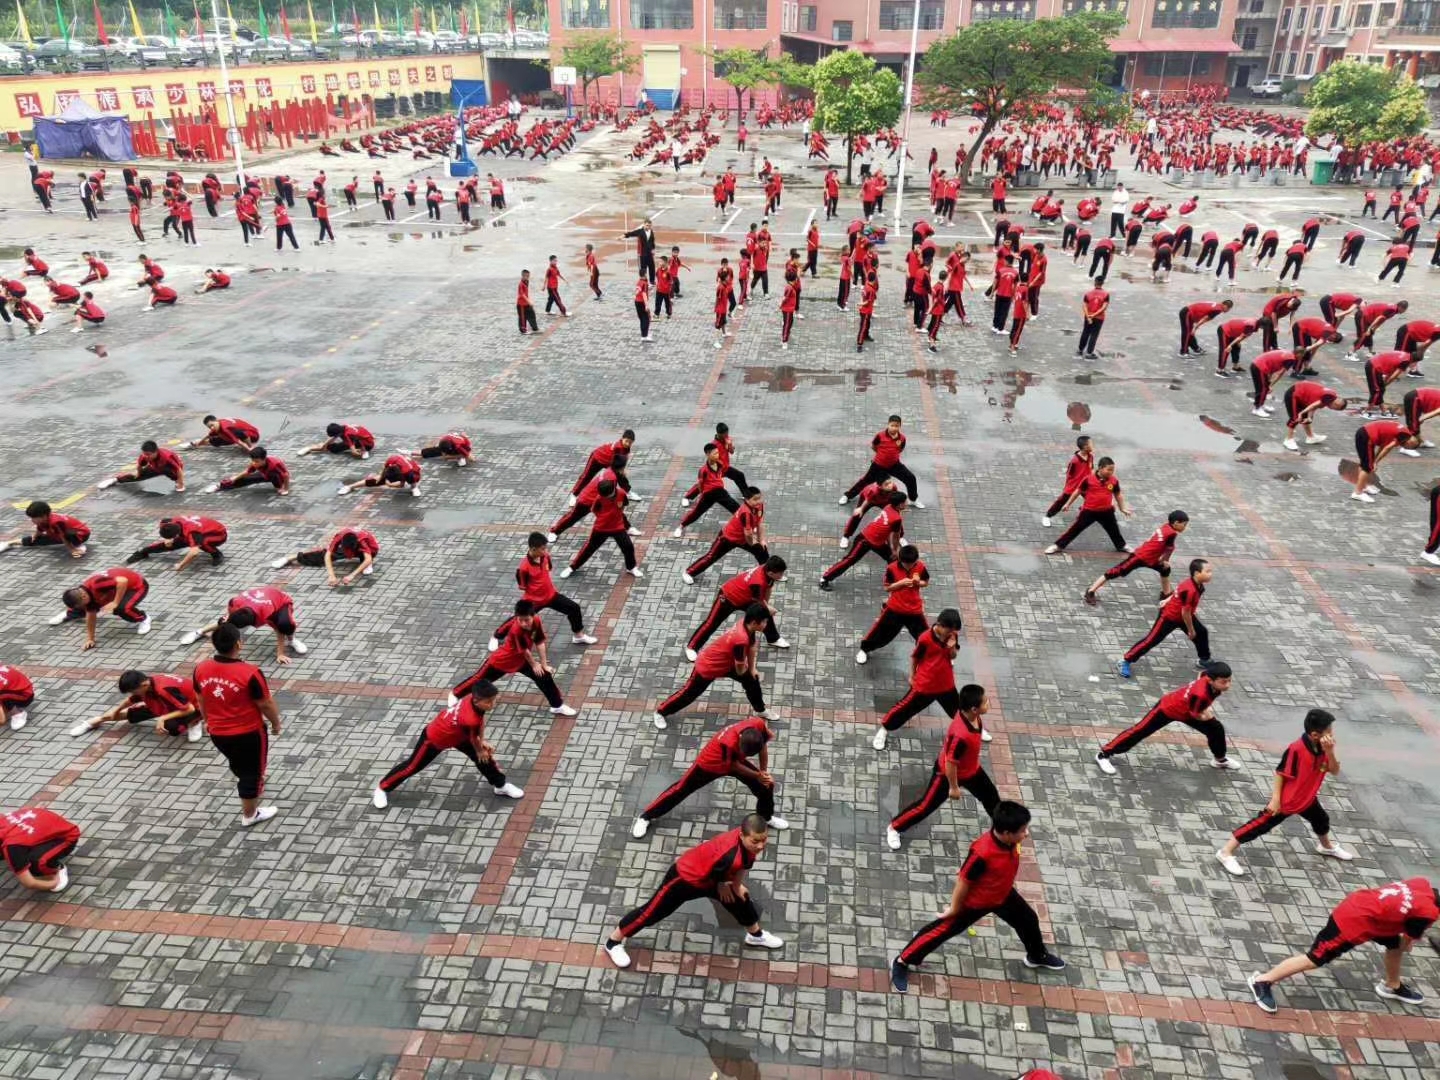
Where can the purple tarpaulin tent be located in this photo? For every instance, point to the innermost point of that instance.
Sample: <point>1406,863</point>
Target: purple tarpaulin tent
<point>80,131</point>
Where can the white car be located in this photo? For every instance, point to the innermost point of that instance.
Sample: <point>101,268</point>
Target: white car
<point>1267,88</point>
<point>11,58</point>
<point>138,48</point>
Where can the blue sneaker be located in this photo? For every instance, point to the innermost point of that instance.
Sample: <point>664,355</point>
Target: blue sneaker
<point>1123,667</point>
<point>899,976</point>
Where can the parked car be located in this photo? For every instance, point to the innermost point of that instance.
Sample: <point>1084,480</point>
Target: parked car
<point>15,57</point>
<point>492,41</point>
<point>267,48</point>
<point>1267,88</point>
<point>142,49</point>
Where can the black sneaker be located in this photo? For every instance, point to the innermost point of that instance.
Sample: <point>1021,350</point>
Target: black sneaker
<point>899,976</point>
<point>1222,374</point>
<point>1263,993</point>
<point>1414,373</point>
<point>139,556</point>
<point>1091,599</point>
<point>825,586</point>
<point>1049,961</point>
<point>217,557</point>
<point>1091,356</point>
<point>1408,994</point>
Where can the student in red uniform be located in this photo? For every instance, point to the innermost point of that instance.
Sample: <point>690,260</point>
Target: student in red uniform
<point>197,535</point>
<point>524,309</point>
<point>349,544</point>
<point>533,577</point>
<point>887,446</point>
<point>1308,336</point>
<point>165,700</point>
<point>460,726</point>
<point>1294,260</point>
<point>262,469</point>
<point>601,458</point>
<point>715,870</point>
<point>642,306</point>
<point>1302,402</point>
<point>1080,465</point>
<point>1350,246</point>
<point>1177,613</point>
<point>398,472</point>
<point>1265,371</point>
<point>875,496</point>
<point>452,446</point>
<point>521,650</point>
<point>87,313</point>
<point>1373,443</point>
<point>1394,916</point>
<point>17,693</point>
<point>1371,318</point>
<point>730,656</point>
<point>349,439</point>
<point>984,885</point>
<point>932,676</point>
<point>236,708</point>
<point>882,536</point>
<point>1397,258</point>
<point>226,432</point>
<point>957,767</point>
<point>727,754</point>
<point>153,461</point>
<point>1154,554</point>
<point>1192,705</point>
<point>725,447</point>
<point>1100,496</point>
<point>1229,337</point>
<point>789,303</point>
<point>585,501</point>
<point>116,591</point>
<point>1418,406</point>
<point>1380,371</point>
<point>904,606</point>
<point>52,528</point>
<point>1303,768</point>
<point>98,271</point>
<point>1093,307</point>
<point>262,605</point>
<point>752,586</point>
<point>869,292</point>
<point>553,278</point>
<point>1194,316</point>
<point>34,842</point>
<point>745,529</point>
<point>610,523</point>
<point>1416,337</point>
<point>710,487</point>
<point>283,226</point>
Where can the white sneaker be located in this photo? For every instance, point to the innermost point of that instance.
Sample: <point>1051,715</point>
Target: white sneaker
<point>59,620</point>
<point>464,461</point>
<point>195,731</point>
<point>684,502</point>
<point>566,572</point>
<point>299,647</point>
<point>1425,444</point>
<point>685,577</point>
<point>144,627</point>
<point>1372,489</point>
<point>1045,521</point>
<point>633,531</point>
<point>1224,763</point>
<point>263,813</point>
<point>62,880</point>
<point>280,563</point>
<point>639,828</point>
<point>1053,549</point>
<point>659,721</point>
<point>1290,444</point>
<point>861,656</point>
<point>635,572</point>
<point>1408,452</point>
<point>844,542</point>
<point>210,489</point>
<point>844,500</point>
<point>581,638</point>
<point>1313,439</point>
<point>368,570</point>
<point>985,735</point>
<point>1335,852</point>
<point>82,728</point>
<point>781,643</point>
<point>778,823</point>
<point>892,838</point>
<point>563,710</point>
<point>764,940</point>
<point>618,956</point>
<point>1261,413</point>
<point>108,482</point>
<point>918,505</point>
<point>510,791</point>
<point>573,500</point>
<point>679,533</point>
<point>379,799</point>
<point>1431,557</point>
<point>878,742</point>
<point>1230,863</point>
<point>1106,765</point>
<point>189,637</point>
<point>550,538</point>
<point>415,491</point>
<point>18,718</point>
<point>1360,496</point>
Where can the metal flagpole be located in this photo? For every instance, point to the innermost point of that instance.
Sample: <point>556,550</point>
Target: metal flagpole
<point>233,135</point>
<point>909,102</point>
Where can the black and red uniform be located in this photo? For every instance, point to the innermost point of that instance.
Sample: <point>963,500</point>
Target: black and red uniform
<point>932,678</point>
<point>271,471</point>
<point>57,529</point>
<point>1350,245</point>
<point>166,694</point>
<point>1371,317</point>
<point>585,501</point>
<point>1374,437</point>
<point>460,727</point>
<point>1186,705</point>
<point>1397,258</point>
<point>872,497</point>
<point>733,535</point>
<point>698,874</point>
<point>347,545</point>
<point>102,587</point>
<point>1229,337</point>
<point>1080,465</point>
<point>1097,504</point>
<point>352,438</point>
<point>904,609</point>
<point>1380,915</point>
<point>232,432</point>
<point>163,462</point>
<point>1280,306</point>
<point>1186,597</point>
<point>451,444</point>
<point>1334,305</point>
<point>511,659</point>
<point>1380,370</point>
<point>882,536</point>
<point>1301,771</point>
<point>991,868</point>
<point>204,533</point>
<point>610,524</point>
<point>886,462</point>
<point>230,691</point>
<point>1303,396</point>
<point>709,486</point>
<point>1265,367</point>
<point>1416,333</point>
<point>1192,317</point>
<point>16,689</point>
<point>602,457</point>
<point>738,593</point>
<point>717,759</point>
<point>962,749</point>
<point>397,469</point>
<point>1153,554</point>
<point>724,658</point>
<point>1420,403</point>
<point>537,586</point>
<point>35,839</point>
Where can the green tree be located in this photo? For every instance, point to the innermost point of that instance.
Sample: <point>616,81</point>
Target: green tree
<point>1104,106</point>
<point>595,55</point>
<point>854,96</point>
<point>748,70</point>
<point>1362,103</point>
<point>1006,65</point>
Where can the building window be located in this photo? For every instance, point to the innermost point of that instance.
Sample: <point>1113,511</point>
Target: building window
<point>807,19</point>
<point>842,30</point>
<point>1387,14</point>
<point>585,14</point>
<point>1250,38</point>
<point>1257,7</point>
<point>1291,62</point>
<point>1362,16</point>
<point>987,10</point>
<point>1319,23</point>
<point>1194,14</point>
<point>1075,7</point>
<point>1176,64</point>
<point>1337,13</point>
<point>740,14</point>
<point>1300,17</point>
<point>900,14</point>
<point>662,14</point>
<point>1309,68</point>
<point>1285,21</point>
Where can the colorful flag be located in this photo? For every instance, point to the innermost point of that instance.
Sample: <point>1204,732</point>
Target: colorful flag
<point>416,13</point>
<point>61,23</point>
<point>230,17</point>
<point>511,17</point>
<point>464,22</point>
<point>170,24</point>
<point>334,21</point>
<point>135,21</point>
<point>310,11</point>
<point>264,24</point>
<point>21,24</point>
<point>285,24</point>
<point>99,24</point>
<point>375,4</point>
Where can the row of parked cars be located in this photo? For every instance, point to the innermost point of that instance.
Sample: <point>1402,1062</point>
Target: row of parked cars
<point>447,40</point>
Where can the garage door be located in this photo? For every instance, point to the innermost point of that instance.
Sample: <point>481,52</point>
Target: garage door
<point>662,74</point>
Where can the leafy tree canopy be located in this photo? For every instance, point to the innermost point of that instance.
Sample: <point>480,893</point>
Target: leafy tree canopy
<point>1363,103</point>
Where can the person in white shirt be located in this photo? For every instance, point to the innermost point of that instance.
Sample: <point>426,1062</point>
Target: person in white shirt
<point>1119,204</point>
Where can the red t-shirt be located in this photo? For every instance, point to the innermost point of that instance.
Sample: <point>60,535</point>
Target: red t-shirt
<point>711,478</point>
<point>236,430</point>
<point>1185,597</point>
<point>991,868</point>
<point>609,512</point>
<point>57,525</point>
<point>591,491</point>
<point>1382,433</point>
<point>909,601</point>
<point>1189,701</point>
<point>887,450</point>
<point>407,468</point>
<point>102,586</point>
<point>23,830</point>
<point>1095,300</point>
<point>534,580</point>
<point>456,726</point>
<point>751,587</point>
<point>720,859</point>
<point>229,690</point>
<point>746,519</point>
<point>933,660</point>
<point>1309,393</point>
<point>889,522</point>
<point>15,682</point>
<point>1387,363</point>
<point>1159,547</point>
<point>722,753</point>
<point>358,438</point>
<point>167,694</point>
<point>1302,771</point>
<point>163,461</point>
<point>1203,310</point>
<point>1385,911</point>
<point>354,544</point>
<point>515,642</point>
<point>962,746</point>
<point>723,655</point>
<point>1099,495</point>
<point>265,602</point>
<point>1273,362</point>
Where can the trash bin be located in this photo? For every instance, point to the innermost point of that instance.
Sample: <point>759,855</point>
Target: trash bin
<point>1322,172</point>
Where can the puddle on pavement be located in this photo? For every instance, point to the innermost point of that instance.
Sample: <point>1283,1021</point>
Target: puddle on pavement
<point>1350,472</point>
<point>784,379</point>
<point>11,253</point>
<point>1160,430</point>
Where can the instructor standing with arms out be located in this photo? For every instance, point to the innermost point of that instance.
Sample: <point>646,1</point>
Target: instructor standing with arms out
<point>644,238</point>
<point>236,706</point>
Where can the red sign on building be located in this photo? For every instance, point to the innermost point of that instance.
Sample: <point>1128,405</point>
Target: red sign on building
<point>307,84</point>
<point>429,72</point>
<point>65,98</point>
<point>447,72</point>
<point>374,78</point>
<point>237,88</point>
<point>28,105</point>
<point>144,97</point>
<point>262,88</point>
<point>175,93</point>
<point>352,80</point>
<point>394,76</point>
<point>412,75</point>
<point>108,99</point>
<point>207,91</point>
<point>332,81</point>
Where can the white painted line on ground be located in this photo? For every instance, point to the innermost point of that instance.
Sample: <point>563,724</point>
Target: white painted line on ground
<point>573,216</point>
<point>1358,225</point>
<point>503,213</point>
<point>985,224</point>
<point>731,219</point>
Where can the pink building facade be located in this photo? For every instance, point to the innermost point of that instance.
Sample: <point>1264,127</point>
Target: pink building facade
<point>1310,36</point>
<point>1166,44</point>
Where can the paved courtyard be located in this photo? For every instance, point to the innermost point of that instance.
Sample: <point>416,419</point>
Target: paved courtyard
<point>456,934</point>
